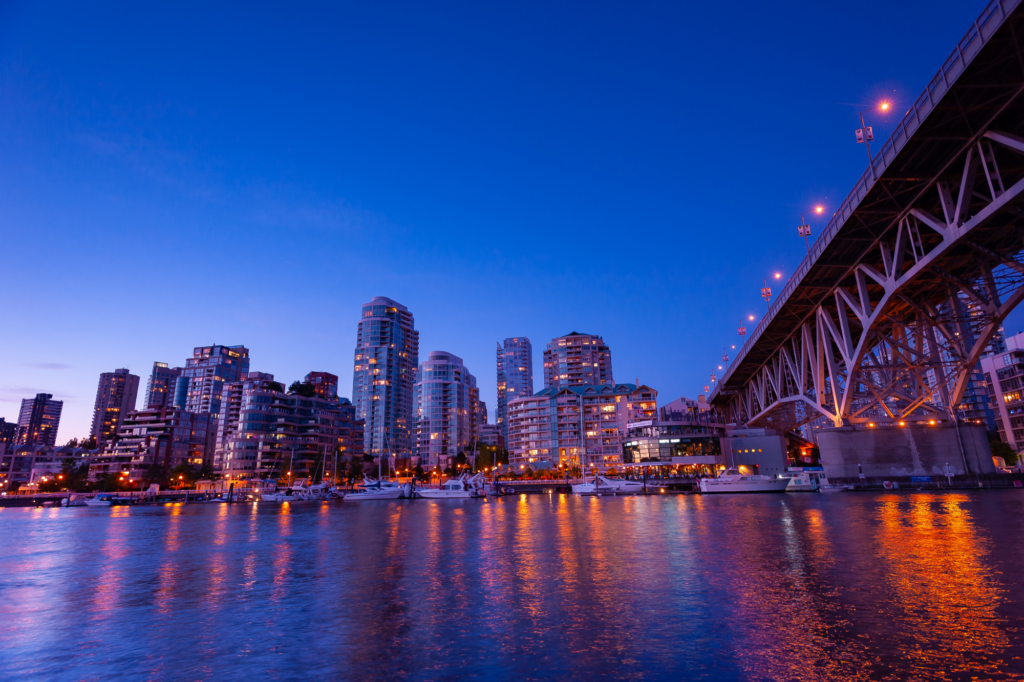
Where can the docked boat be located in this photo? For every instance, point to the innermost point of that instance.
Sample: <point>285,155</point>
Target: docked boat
<point>379,490</point>
<point>101,500</point>
<point>833,488</point>
<point>75,501</point>
<point>455,488</point>
<point>283,495</point>
<point>732,481</point>
<point>811,482</point>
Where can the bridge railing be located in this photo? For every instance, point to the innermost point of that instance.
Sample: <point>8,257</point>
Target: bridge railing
<point>977,36</point>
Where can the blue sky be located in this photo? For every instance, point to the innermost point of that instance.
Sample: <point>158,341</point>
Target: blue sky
<point>177,176</point>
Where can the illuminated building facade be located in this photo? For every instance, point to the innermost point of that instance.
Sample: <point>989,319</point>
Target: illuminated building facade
<point>324,384</point>
<point>1004,375</point>
<point>577,360</point>
<point>165,437</point>
<point>447,409</point>
<point>39,419</point>
<point>160,386</point>
<point>268,433</point>
<point>386,358</point>
<point>577,425</point>
<point>205,374</point>
<point>515,376</point>
<point>115,398</point>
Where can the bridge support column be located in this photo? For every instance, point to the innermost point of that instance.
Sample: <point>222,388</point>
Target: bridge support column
<point>892,451</point>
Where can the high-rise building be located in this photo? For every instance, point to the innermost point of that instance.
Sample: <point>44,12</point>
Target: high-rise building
<point>206,372</point>
<point>490,435</point>
<point>577,360</point>
<point>1004,374</point>
<point>115,397</point>
<point>515,376</point>
<point>576,426</point>
<point>324,384</point>
<point>8,433</point>
<point>39,419</point>
<point>447,408</point>
<point>386,357</point>
<point>267,433</point>
<point>160,387</point>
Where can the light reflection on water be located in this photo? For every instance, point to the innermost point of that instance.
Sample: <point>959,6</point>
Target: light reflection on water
<point>852,586</point>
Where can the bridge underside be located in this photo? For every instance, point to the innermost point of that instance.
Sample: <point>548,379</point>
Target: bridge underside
<point>889,321</point>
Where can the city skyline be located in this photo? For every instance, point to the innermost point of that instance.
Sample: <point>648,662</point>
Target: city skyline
<point>168,172</point>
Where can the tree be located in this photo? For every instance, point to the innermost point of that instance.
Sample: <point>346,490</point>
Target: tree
<point>420,473</point>
<point>89,443</point>
<point>355,470</point>
<point>303,389</point>
<point>1001,449</point>
<point>74,475</point>
<point>155,473</point>
<point>73,443</point>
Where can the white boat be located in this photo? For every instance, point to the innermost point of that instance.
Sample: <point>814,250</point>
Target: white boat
<point>833,488</point>
<point>75,501</point>
<point>283,495</point>
<point>101,500</point>
<point>732,481</point>
<point>811,482</point>
<point>379,490</point>
<point>454,488</point>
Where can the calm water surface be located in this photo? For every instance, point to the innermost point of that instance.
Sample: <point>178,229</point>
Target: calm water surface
<point>849,586</point>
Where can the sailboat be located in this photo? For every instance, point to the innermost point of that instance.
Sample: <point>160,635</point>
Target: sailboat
<point>380,489</point>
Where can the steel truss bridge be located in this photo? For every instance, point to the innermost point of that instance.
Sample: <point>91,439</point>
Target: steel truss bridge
<point>887,317</point>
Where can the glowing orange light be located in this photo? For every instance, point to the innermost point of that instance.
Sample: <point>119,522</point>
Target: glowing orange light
<point>903,423</point>
<point>871,425</point>
<point>884,106</point>
<point>751,317</point>
<point>819,209</point>
<point>931,422</point>
<point>778,275</point>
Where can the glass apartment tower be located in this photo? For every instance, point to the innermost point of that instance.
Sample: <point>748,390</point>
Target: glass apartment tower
<point>577,360</point>
<point>448,409</point>
<point>515,376</point>
<point>199,387</point>
<point>115,398</point>
<point>39,419</point>
<point>386,357</point>
<point>160,387</point>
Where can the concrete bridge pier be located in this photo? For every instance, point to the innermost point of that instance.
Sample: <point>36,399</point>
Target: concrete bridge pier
<point>918,449</point>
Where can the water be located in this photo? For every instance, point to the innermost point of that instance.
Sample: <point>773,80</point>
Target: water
<point>848,586</point>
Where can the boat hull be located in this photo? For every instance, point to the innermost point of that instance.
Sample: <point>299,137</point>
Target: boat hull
<point>432,494</point>
<point>374,495</point>
<point>712,486</point>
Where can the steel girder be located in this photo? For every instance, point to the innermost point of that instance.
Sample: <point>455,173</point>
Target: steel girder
<point>899,336</point>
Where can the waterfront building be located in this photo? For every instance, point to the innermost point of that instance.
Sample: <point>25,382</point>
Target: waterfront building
<point>576,425</point>
<point>160,386</point>
<point>684,434</point>
<point>39,419</point>
<point>269,433</point>
<point>577,360</point>
<point>166,437</point>
<point>26,464</point>
<point>204,375</point>
<point>115,397</point>
<point>447,409</point>
<point>490,434</point>
<point>1004,376</point>
<point>324,384</point>
<point>386,359</point>
<point>515,376</point>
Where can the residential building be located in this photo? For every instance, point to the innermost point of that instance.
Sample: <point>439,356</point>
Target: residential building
<point>165,437</point>
<point>161,384</point>
<point>8,433</point>
<point>515,376</point>
<point>490,434</point>
<point>273,434</point>
<point>386,359</point>
<point>577,360</point>
<point>1004,375</point>
<point>446,402</point>
<point>684,434</point>
<point>324,384</point>
<point>30,463</point>
<point>205,374</point>
<point>576,426</point>
<point>115,397</point>
<point>39,419</point>
<point>229,421</point>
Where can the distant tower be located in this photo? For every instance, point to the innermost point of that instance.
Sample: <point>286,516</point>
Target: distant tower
<point>205,374</point>
<point>447,404</point>
<point>515,376</point>
<point>39,419</point>
<point>386,356</point>
<point>160,387</point>
<point>115,397</point>
<point>577,360</point>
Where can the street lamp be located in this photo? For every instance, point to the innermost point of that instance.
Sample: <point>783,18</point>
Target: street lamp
<point>766,293</point>
<point>804,230</point>
<point>865,134</point>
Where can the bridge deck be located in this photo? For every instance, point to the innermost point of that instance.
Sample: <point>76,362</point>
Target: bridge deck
<point>976,88</point>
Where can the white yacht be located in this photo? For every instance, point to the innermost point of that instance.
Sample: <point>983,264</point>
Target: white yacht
<point>732,481</point>
<point>378,490</point>
<point>101,500</point>
<point>812,482</point>
<point>283,495</point>
<point>454,488</point>
<point>603,485</point>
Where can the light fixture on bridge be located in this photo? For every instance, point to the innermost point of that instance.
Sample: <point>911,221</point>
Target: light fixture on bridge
<point>778,275</point>
<point>804,230</point>
<point>766,293</point>
<point>866,135</point>
<point>706,388</point>
<point>725,355</point>
<point>743,331</point>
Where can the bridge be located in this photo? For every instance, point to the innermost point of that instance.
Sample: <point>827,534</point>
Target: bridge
<point>886,318</point>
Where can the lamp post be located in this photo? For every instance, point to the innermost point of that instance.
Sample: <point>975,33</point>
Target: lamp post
<point>865,134</point>
<point>804,230</point>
